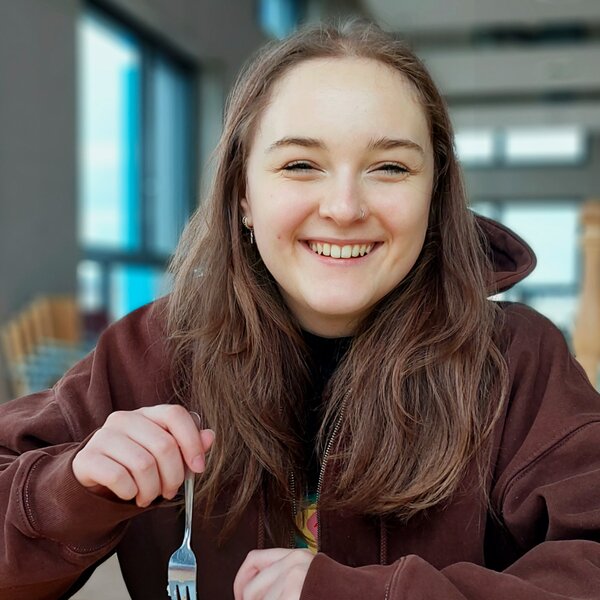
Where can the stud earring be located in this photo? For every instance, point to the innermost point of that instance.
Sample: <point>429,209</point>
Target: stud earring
<point>362,214</point>
<point>246,224</point>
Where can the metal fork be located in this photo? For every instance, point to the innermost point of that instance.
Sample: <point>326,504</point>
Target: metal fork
<point>182,565</point>
<point>181,584</point>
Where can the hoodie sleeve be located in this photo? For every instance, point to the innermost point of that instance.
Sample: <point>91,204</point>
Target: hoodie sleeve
<point>545,543</point>
<point>53,529</point>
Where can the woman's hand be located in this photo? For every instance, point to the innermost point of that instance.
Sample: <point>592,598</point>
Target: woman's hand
<point>273,574</point>
<point>143,453</point>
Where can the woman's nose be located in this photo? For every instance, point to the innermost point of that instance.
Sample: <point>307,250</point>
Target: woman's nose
<point>343,202</point>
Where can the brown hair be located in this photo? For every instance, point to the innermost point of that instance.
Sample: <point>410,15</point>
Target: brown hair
<point>421,385</point>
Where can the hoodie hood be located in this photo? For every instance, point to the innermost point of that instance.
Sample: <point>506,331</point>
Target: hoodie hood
<point>512,258</point>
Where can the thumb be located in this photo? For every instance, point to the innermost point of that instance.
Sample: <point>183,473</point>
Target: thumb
<point>207,436</point>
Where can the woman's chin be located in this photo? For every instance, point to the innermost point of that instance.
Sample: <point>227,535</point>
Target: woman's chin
<point>331,320</point>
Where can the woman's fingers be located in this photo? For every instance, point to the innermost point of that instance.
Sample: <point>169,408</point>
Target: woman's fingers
<point>180,424</point>
<point>254,563</point>
<point>164,449</point>
<point>106,473</point>
<point>207,436</point>
<point>143,453</point>
<point>275,573</point>
<point>140,464</point>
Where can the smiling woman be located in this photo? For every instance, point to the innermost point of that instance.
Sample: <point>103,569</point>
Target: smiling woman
<point>361,194</point>
<point>375,426</point>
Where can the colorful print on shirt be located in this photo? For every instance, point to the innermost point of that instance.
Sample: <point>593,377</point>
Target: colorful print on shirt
<point>307,523</point>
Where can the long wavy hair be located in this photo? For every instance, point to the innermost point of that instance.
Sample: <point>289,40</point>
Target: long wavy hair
<point>422,383</point>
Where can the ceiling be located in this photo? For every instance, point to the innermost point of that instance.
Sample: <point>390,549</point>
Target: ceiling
<point>506,62</point>
<point>459,15</point>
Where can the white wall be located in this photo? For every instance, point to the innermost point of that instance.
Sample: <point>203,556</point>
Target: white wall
<point>38,250</point>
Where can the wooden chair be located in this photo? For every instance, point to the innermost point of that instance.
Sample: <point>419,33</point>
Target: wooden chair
<point>586,336</point>
<point>41,343</point>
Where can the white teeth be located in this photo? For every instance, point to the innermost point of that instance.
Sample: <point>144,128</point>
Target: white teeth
<point>335,251</point>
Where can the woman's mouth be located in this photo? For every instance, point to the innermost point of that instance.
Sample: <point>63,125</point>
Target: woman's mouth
<point>340,250</point>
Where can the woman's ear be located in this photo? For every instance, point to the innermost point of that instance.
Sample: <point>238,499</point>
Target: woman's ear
<point>246,210</point>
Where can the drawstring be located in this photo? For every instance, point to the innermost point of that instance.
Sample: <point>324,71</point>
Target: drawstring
<point>383,557</point>
<point>260,544</point>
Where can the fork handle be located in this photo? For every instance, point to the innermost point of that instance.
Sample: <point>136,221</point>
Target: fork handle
<point>189,506</point>
<point>189,491</point>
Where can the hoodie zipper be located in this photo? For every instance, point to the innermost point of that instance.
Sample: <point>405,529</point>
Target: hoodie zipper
<point>292,479</point>
<point>324,464</point>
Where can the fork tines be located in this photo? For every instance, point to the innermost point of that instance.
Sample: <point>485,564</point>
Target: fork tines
<point>182,591</point>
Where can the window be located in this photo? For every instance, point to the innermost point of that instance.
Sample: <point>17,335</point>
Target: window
<point>551,228</point>
<point>544,145</point>
<point>475,146</point>
<point>136,163</point>
<point>516,146</point>
<point>551,231</point>
<point>110,91</point>
<point>278,18</point>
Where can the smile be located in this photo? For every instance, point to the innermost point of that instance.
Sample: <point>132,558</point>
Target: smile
<point>340,251</point>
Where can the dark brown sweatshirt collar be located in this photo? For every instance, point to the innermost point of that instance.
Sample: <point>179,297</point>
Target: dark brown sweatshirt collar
<point>512,258</point>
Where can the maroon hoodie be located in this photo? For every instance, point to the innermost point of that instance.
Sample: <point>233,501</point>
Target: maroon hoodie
<point>538,539</point>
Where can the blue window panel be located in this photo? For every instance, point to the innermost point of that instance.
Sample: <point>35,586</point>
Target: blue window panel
<point>132,230</point>
<point>551,229</point>
<point>133,286</point>
<point>110,72</point>
<point>89,284</point>
<point>486,209</point>
<point>169,183</point>
<point>136,163</point>
<point>561,310</point>
<point>278,18</point>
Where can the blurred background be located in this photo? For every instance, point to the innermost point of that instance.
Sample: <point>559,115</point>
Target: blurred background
<point>109,111</point>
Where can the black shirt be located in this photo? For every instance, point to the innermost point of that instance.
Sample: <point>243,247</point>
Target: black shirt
<point>325,356</point>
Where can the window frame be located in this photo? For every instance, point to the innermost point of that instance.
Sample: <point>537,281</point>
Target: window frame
<point>500,159</point>
<point>152,48</point>
<point>524,291</point>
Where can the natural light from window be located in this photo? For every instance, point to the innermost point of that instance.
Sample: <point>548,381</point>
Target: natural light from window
<point>544,145</point>
<point>109,128</point>
<point>475,146</point>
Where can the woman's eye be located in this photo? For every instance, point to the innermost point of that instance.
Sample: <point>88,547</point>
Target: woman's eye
<point>393,169</point>
<point>298,165</point>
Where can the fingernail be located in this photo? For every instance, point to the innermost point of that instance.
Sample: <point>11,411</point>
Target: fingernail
<point>198,463</point>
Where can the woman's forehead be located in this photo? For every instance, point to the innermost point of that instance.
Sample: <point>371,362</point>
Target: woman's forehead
<point>335,95</point>
<point>367,73</point>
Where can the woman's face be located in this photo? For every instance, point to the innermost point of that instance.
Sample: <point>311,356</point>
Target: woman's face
<point>339,181</point>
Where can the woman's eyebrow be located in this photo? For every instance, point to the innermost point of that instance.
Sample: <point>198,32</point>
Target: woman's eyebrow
<point>382,143</point>
<point>387,143</point>
<point>305,142</point>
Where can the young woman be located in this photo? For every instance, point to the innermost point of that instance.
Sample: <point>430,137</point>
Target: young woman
<point>374,426</point>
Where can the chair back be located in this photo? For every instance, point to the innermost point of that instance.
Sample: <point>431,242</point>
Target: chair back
<point>41,343</point>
